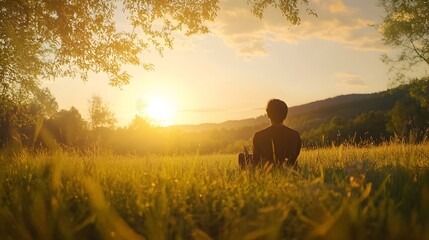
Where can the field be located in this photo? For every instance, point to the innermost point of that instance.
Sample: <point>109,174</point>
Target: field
<point>340,192</point>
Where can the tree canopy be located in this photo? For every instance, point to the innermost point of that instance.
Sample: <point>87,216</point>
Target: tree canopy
<point>100,114</point>
<point>48,38</point>
<point>406,27</point>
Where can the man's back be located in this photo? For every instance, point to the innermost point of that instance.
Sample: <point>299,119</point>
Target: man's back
<point>276,142</point>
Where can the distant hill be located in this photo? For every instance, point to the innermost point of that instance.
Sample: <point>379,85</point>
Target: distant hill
<point>311,115</point>
<point>231,124</point>
<point>327,103</point>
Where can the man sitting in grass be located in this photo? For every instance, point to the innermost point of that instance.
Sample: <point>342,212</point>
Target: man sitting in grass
<point>276,145</point>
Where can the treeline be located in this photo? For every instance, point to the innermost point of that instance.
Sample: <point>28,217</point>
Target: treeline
<point>407,119</point>
<point>36,123</point>
<point>30,125</point>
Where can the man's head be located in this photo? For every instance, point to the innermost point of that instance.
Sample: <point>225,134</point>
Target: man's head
<point>276,110</point>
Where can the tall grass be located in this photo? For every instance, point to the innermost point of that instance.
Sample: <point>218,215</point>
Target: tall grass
<point>336,193</point>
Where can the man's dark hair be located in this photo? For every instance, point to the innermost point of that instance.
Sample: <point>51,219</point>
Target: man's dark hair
<point>277,110</point>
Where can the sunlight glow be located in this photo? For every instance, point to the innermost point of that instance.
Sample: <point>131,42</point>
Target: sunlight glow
<point>160,111</point>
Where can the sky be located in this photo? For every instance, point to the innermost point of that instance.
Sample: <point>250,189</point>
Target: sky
<point>232,72</point>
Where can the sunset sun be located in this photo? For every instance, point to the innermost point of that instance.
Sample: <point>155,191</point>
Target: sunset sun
<point>161,111</point>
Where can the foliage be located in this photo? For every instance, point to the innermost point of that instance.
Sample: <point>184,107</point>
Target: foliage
<point>19,116</point>
<point>72,38</point>
<point>419,90</point>
<point>406,27</point>
<point>67,127</point>
<point>366,128</point>
<point>41,38</point>
<point>100,114</point>
<point>337,193</point>
<point>410,115</point>
<point>289,8</point>
<point>400,111</point>
<point>404,117</point>
<point>370,126</point>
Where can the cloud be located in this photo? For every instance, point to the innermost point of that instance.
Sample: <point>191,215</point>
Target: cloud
<point>338,6</point>
<point>336,22</point>
<point>203,110</point>
<point>350,79</point>
<point>216,110</point>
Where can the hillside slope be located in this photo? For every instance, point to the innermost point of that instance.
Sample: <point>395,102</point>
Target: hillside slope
<point>311,115</point>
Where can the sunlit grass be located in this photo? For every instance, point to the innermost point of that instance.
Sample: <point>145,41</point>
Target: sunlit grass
<point>337,193</point>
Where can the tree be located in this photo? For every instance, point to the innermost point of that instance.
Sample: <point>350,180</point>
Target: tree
<point>370,126</point>
<point>408,117</point>
<point>19,115</point>
<point>336,131</point>
<point>100,114</point>
<point>139,123</point>
<point>69,127</point>
<point>26,110</point>
<point>45,38</point>
<point>406,27</point>
<point>289,8</point>
<point>419,90</point>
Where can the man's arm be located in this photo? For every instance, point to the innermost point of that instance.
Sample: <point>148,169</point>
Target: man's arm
<point>256,150</point>
<point>292,160</point>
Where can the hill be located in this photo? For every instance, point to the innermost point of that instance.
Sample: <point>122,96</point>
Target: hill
<point>230,124</point>
<point>311,115</point>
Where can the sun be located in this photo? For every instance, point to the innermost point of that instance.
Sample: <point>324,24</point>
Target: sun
<point>160,111</point>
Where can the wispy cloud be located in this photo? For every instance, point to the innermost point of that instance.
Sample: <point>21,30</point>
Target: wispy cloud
<point>203,110</point>
<point>216,110</point>
<point>350,80</point>
<point>336,22</point>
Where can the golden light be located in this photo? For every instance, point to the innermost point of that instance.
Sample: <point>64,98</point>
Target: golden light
<point>160,111</point>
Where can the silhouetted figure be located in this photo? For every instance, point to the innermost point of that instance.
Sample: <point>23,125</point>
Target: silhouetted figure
<point>277,144</point>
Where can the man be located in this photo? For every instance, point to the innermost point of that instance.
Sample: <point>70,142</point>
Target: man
<point>277,144</point>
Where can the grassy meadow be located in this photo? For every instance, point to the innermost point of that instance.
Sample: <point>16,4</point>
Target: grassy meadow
<point>345,192</point>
